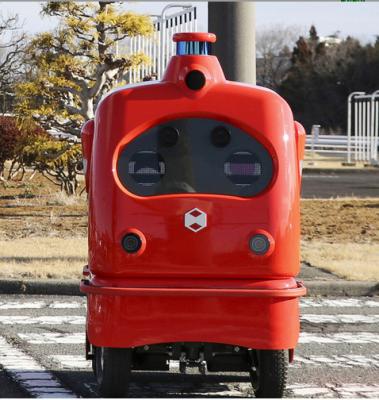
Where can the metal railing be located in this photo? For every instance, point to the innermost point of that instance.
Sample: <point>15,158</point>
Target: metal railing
<point>363,127</point>
<point>159,46</point>
<point>361,143</point>
<point>333,144</point>
<point>315,142</point>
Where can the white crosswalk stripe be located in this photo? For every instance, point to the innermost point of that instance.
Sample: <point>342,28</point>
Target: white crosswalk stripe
<point>29,373</point>
<point>43,320</point>
<point>340,361</point>
<point>340,303</point>
<point>340,319</point>
<point>53,338</point>
<point>347,390</point>
<point>19,304</point>
<point>71,361</point>
<point>339,337</point>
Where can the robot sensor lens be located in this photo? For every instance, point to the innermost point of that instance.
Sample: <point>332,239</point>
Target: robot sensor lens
<point>259,244</point>
<point>195,80</point>
<point>131,243</point>
<point>168,136</point>
<point>220,136</point>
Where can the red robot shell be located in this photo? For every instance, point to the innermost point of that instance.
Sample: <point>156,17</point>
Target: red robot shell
<point>179,275</point>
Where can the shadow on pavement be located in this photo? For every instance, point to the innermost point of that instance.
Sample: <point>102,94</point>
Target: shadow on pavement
<point>164,384</point>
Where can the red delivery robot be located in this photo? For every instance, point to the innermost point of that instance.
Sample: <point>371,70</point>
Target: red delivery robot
<point>194,186</point>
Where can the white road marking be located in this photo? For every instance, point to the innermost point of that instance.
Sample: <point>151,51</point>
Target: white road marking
<point>345,390</point>
<point>340,337</point>
<point>71,361</point>
<point>305,337</point>
<point>10,305</point>
<point>71,304</point>
<point>19,304</point>
<point>337,361</point>
<point>320,176</point>
<point>340,318</point>
<point>340,303</point>
<point>53,338</point>
<point>29,374</point>
<point>42,320</point>
<point>307,390</point>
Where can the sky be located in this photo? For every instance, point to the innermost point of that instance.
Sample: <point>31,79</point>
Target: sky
<point>358,19</point>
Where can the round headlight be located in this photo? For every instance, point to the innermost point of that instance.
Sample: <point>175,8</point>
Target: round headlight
<point>259,244</point>
<point>131,243</point>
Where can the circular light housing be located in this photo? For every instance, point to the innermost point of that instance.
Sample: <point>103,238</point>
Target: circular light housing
<point>168,136</point>
<point>259,244</point>
<point>220,136</point>
<point>195,80</point>
<point>131,243</point>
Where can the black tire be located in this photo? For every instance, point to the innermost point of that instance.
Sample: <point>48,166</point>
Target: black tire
<point>94,360</point>
<point>113,371</point>
<point>269,373</point>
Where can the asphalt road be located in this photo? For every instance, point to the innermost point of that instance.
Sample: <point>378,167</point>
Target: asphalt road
<point>41,348</point>
<point>363,183</point>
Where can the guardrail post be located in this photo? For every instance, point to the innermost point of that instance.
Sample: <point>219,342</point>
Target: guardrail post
<point>349,114</point>
<point>315,131</point>
<point>374,129</point>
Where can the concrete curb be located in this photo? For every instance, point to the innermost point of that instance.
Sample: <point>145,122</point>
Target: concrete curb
<point>71,288</point>
<point>339,171</point>
<point>41,287</point>
<point>341,288</point>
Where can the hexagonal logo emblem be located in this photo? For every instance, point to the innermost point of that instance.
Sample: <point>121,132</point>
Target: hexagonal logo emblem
<point>195,220</point>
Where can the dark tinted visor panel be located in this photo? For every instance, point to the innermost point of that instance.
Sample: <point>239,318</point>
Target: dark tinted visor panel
<point>195,155</point>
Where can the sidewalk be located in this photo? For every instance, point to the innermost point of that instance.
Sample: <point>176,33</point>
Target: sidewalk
<point>318,283</point>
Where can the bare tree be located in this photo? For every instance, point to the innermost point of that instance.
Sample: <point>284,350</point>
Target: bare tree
<point>11,45</point>
<point>274,54</point>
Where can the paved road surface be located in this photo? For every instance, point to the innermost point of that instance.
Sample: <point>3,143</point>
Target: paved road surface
<point>341,184</point>
<point>41,348</point>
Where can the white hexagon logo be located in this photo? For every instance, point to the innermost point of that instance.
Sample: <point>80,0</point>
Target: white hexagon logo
<point>195,220</point>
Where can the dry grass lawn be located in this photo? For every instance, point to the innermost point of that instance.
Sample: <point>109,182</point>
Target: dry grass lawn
<point>352,261</point>
<point>53,258</point>
<point>328,160</point>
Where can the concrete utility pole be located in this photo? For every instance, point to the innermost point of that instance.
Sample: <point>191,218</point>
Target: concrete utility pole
<point>234,25</point>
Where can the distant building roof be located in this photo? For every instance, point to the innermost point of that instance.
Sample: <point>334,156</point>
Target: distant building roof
<point>331,40</point>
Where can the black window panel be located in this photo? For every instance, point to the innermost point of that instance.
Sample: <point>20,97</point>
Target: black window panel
<point>194,164</point>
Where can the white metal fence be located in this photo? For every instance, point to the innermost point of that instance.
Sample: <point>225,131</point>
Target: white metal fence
<point>363,127</point>
<point>362,139</point>
<point>159,47</point>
